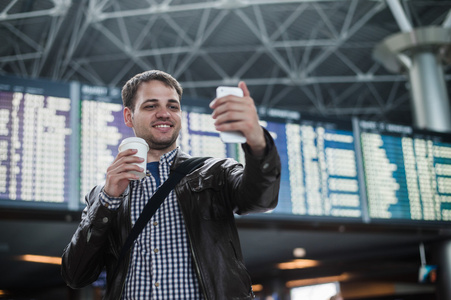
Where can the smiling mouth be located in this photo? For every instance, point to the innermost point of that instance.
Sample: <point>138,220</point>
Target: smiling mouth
<point>163,126</point>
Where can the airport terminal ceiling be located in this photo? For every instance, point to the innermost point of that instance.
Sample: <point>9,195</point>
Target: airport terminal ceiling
<point>315,57</point>
<point>306,55</point>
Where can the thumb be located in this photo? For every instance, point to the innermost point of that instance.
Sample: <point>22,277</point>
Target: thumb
<point>242,85</point>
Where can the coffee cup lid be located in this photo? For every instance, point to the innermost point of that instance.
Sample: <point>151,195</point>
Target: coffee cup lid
<point>134,140</point>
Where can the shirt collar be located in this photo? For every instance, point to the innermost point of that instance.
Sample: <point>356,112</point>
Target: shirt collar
<point>168,158</point>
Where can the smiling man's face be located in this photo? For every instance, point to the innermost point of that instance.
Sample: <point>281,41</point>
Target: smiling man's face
<point>157,115</point>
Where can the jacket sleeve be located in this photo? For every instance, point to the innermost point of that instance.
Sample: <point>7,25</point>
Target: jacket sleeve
<point>83,258</point>
<point>256,188</point>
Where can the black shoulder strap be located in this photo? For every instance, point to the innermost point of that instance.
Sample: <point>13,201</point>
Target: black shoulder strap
<point>158,197</point>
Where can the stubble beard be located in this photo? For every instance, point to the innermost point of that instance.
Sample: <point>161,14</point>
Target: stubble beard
<point>161,145</point>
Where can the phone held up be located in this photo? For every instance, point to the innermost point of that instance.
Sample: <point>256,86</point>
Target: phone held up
<point>230,136</point>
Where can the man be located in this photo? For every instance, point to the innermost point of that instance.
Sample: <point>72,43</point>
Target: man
<point>190,248</point>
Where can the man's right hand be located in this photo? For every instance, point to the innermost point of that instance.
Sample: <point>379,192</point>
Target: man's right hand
<point>118,173</point>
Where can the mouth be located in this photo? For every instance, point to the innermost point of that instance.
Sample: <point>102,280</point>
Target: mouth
<point>162,126</point>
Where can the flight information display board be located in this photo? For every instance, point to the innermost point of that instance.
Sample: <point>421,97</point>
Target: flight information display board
<point>407,172</point>
<point>35,135</point>
<point>198,136</point>
<point>57,141</point>
<point>102,130</point>
<point>319,169</point>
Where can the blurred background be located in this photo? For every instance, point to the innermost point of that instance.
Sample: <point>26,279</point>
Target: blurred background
<point>356,94</point>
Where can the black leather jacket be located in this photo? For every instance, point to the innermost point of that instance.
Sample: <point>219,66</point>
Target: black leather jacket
<point>208,198</point>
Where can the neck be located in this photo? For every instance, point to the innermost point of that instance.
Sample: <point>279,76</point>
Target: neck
<point>155,154</point>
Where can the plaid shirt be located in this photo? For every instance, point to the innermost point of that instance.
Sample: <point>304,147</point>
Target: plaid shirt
<point>161,266</point>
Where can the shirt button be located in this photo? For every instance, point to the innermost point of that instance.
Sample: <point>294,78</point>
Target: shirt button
<point>155,250</point>
<point>157,284</point>
<point>155,223</point>
<point>105,220</point>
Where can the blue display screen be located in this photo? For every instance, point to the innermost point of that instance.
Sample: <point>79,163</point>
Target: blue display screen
<point>407,172</point>
<point>57,141</point>
<point>319,169</point>
<point>35,135</point>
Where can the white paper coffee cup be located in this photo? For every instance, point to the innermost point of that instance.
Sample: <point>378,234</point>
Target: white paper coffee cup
<point>142,147</point>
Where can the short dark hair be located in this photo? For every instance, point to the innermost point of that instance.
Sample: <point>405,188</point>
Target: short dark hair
<point>131,86</point>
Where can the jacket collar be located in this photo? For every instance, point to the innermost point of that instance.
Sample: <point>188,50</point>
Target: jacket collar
<point>179,158</point>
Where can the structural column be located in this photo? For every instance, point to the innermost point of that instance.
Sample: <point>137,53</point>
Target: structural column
<point>419,54</point>
<point>442,258</point>
<point>429,94</point>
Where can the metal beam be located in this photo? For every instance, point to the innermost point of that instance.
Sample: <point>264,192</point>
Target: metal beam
<point>288,81</point>
<point>200,39</point>
<point>60,8</point>
<point>124,48</point>
<point>447,21</point>
<point>400,16</point>
<point>266,43</point>
<point>78,30</point>
<point>345,36</point>
<point>219,4</point>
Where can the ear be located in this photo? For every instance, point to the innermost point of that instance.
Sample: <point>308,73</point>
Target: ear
<point>128,117</point>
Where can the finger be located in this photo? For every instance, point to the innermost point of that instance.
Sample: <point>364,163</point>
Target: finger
<point>124,162</point>
<point>128,152</point>
<point>226,108</point>
<point>230,117</point>
<point>237,118</point>
<point>127,160</point>
<point>230,126</point>
<point>242,85</point>
<point>121,174</point>
<point>128,167</point>
<point>217,102</point>
<point>221,100</point>
<point>116,184</point>
<point>116,178</point>
<point>125,153</point>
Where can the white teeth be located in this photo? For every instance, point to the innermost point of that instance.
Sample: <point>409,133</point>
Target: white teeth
<point>162,126</point>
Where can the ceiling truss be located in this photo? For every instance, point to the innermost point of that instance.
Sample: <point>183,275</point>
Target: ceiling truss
<point>313,56</point>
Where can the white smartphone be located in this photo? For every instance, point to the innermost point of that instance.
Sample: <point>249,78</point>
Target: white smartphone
<point>230,136</point>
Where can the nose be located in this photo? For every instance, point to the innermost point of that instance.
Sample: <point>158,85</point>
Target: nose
<point>163,112</point>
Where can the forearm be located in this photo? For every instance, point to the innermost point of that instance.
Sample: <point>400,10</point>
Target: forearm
<point>83,258</point>
<point>260,182</point>
<point>257,146</point>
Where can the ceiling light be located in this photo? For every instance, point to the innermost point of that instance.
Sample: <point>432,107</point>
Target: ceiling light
<point>298,264</point>
<point>318,280</point>
<point>257,287</point>
<point>299,252</point>
<point>55,260</point>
